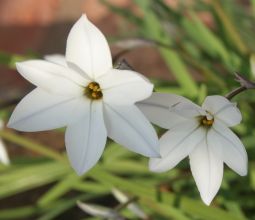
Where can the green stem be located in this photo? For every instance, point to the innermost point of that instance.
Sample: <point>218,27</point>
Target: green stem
<point>229,27</point>
<point>245,84</point>
<point>235,92</point>
<point>28,144</point>
<point>125,204</point>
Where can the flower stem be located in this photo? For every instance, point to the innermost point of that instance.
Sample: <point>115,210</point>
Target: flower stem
<point>235,92</point>
<point>245,85</point>
<point>26,143</point>
<point>125,204</point>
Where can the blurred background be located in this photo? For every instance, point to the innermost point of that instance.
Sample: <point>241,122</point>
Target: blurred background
<point>191,48</point>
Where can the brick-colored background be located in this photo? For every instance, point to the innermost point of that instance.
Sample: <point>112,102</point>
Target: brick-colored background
<point>41,26</point>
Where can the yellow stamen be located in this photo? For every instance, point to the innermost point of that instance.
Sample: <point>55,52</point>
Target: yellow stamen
<point>207,122</point>
<point>93,91</point>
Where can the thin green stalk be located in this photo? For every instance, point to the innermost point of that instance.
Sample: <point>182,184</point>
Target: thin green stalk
<point>147,197</point>
<point>245,84</point>
<point>18,213</point>
<point>61,207</point>
<point>58,190</point>
<point>10,60</point>
<point>31,145</point>
<point>235,92</point>
<point>229,27</point>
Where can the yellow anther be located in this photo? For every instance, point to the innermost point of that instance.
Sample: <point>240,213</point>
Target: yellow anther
<point>95,88</point>
<point>91,86</point>
<point>93,94</point>
<point>93,91</point>
<point>207,122</point>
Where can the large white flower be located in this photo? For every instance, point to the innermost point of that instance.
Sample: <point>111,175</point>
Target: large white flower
<point>4,158</point>
<point>201,133</point>
<point>88,96</point>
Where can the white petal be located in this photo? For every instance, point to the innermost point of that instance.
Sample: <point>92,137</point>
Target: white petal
<point>233,151</point>
<point>87,48</point>
<point>124,87</point>
<point>57,59</point>
<point>207,170</point>
<point>40,111</point>
<point>176,144</point>
<point>4,158</point>
<point>187,109</point>
<point>52,77</point>
<point>223,109</point>
<point>86,139</point>
<point>133,207</point>
<point>156,109</point>
<point>99,211</point>
<point>213,137</point>
<point>127,126</point>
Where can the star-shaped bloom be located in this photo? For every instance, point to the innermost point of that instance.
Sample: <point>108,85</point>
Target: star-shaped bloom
<point>201,133</point>
<point>89,97</point>
<point>4,158</point>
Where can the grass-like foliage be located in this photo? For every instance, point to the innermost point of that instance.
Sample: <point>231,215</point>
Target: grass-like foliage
<point>202,58</point>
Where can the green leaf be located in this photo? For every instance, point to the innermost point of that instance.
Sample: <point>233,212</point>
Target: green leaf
<point>229,27</point>
<point>58,190</point>
<point>18,213</point>
<point>173,60</point>
<point>30,177</point>
<point>65,205</point>
<point>204,37</point>
<point>31,145</point>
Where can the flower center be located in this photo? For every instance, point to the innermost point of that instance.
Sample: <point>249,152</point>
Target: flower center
<point>206,122</point>
<point>93,91</point>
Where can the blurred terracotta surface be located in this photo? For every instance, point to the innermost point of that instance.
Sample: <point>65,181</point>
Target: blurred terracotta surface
<point>35,25</point>
<point>27,12</point>
<point>12,85</point>
<point>41,27</point>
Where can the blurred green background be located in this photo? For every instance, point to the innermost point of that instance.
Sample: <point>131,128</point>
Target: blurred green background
<point>191,48</point>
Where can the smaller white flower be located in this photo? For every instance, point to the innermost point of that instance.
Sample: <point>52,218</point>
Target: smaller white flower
<point>4,158</point>
<point>201,133</point>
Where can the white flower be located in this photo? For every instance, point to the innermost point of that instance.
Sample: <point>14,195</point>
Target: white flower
<point>4,158</point>
<point>201,133</point>
<point>99,211</point>
<point>89,97</point>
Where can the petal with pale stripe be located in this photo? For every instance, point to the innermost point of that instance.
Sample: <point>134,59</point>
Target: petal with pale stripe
<point>187,109</point>
<point>127,126</point>
<point>40,110</point>
<point>233,151</point>
<point>52,77</point>
<point>124,87</point>
<point>85,139</point>
<point>207,170</point>
<point>57,59</point>
<point>87,48</point>
<point>156,109</point>
<point>222,109</point>
<point>176,144</point>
